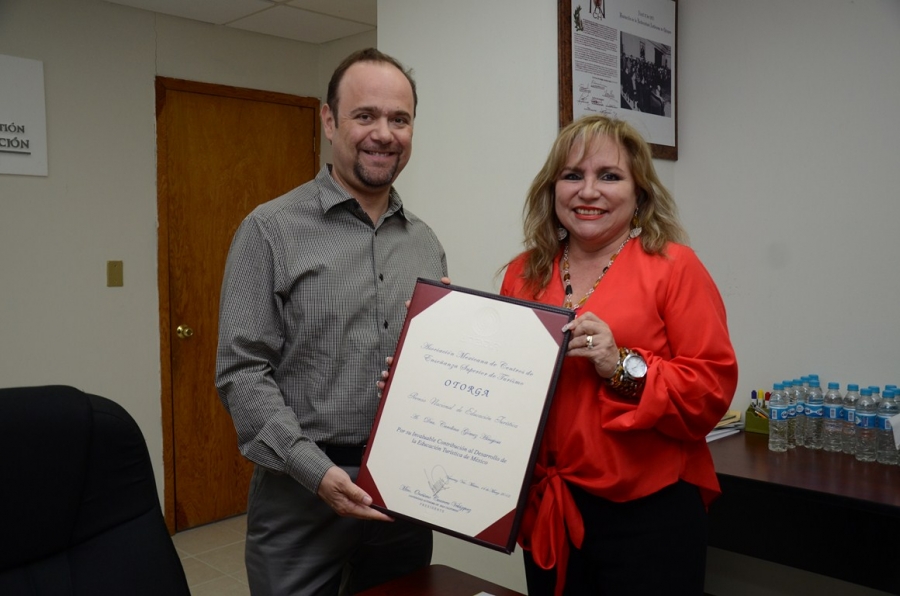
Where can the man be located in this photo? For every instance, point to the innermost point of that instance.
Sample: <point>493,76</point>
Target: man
<point>312,303</point>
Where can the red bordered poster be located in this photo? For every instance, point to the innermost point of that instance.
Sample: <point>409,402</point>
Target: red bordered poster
<point>457,431</point>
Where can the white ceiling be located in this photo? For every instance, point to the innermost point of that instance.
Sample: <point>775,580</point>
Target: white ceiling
<point>313,21</point>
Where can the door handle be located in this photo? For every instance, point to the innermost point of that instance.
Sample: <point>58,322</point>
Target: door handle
<point>184,332</point>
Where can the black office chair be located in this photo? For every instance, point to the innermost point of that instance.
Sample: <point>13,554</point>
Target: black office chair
<point>79,511</point>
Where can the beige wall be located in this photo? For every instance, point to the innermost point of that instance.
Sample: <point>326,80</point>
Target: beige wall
<point>59,323</point>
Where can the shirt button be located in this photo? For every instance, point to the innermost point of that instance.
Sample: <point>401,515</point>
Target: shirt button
<point>381,276</point>
<point>385,325</point>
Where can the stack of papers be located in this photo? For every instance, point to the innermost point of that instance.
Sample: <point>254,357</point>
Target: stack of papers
<point>728,425</point>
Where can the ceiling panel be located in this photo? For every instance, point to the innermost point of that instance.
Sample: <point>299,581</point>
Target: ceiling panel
<point>311,21</point>
<point>301,25</point>
<point>218,12</point>
<point>361,11</point>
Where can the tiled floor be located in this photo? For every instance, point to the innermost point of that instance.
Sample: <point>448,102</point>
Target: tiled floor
<point>213,558</point>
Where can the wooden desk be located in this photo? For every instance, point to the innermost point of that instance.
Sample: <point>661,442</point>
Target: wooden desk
<point>838,517</point>
<point>438,580</point>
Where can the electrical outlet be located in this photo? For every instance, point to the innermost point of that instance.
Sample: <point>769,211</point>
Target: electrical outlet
<point>114,274</point>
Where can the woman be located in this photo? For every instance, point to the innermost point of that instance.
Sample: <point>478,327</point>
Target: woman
<point>623,475</point>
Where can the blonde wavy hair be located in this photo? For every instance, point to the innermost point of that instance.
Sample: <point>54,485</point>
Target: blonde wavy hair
<point>657,213</point>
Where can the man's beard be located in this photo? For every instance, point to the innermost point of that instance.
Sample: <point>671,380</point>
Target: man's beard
<point>375,179</point>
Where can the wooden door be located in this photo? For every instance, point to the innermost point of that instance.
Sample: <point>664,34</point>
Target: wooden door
<point>221,151</point>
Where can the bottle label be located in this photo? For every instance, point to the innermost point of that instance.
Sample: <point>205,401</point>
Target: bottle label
<point>849,415</point>
<point>884,422</point>
<point>834,412</point>
<point>779,413</point>
<point>815,410</point>
<point>801,408</point>
<point>866,419</point>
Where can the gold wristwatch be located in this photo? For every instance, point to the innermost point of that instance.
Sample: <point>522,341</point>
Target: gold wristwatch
<point>630,375</point>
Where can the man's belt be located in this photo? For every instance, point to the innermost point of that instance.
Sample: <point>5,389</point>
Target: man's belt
<point>343,455</point>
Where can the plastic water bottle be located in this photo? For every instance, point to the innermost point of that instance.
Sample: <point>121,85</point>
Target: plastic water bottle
<point>876,393</point>
<point>886,450</point>
<point>800,409</point>
<point>833,426</point>
<point>779,418</point>
<point>812,378</point>
<point>897,400</point>
<point>866,419</point>
<point>848,444</point>
<point>896,391</point>
<point>815,412</point>
<point>792,414</point>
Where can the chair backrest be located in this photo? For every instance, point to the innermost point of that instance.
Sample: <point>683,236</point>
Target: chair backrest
<point>79,511</point>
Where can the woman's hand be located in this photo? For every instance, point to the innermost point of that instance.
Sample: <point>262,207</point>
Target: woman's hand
<point>593,339</point>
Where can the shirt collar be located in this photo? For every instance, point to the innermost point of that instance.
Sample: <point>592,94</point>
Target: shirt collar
<point>333,194</point>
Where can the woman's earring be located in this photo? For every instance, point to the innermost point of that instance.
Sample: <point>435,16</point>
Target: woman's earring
<point>561,233</point>
<point>635,226</point>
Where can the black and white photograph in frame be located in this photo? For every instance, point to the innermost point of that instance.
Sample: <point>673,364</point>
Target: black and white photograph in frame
<point>646,76</point>
<point>618,58</point>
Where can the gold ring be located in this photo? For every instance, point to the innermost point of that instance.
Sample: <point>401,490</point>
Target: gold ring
<point>590,342</point>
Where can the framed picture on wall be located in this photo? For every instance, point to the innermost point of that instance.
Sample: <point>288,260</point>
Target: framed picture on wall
<point>618,57</point>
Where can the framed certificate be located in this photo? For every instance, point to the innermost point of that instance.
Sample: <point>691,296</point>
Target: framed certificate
<point>458,428</point>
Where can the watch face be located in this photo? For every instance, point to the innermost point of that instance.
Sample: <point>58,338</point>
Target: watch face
<point>635,366</point>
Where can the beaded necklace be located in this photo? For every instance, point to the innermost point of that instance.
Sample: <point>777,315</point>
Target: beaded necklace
<point>567,282</point>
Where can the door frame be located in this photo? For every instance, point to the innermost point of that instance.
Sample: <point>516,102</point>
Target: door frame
<point>163,85</point>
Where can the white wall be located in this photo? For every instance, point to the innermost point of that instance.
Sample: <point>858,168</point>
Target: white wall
<point>486,76</point>
<point>788,177</point>
<point>788,146</point>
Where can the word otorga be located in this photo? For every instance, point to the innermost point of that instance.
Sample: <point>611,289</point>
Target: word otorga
<point>472,389</point>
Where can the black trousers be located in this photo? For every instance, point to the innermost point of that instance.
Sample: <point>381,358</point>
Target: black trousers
<point>648,547</point>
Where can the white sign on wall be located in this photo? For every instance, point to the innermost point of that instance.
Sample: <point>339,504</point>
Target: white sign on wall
<point>23,117</point>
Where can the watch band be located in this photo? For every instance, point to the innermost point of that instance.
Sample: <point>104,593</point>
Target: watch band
<point>622,382</point>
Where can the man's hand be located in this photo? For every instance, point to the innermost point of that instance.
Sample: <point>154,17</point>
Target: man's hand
<point>346,498</point>
<point>390,359</point>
